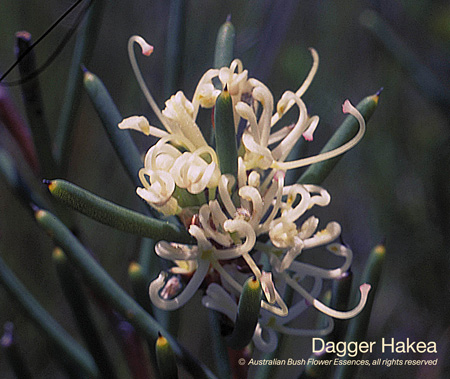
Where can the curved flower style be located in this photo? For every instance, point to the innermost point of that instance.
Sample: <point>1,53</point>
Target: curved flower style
<point>231,217</point>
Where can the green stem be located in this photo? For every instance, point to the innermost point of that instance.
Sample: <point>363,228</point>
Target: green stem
<point>218,346</point>
<point>150,265</point>
<point>317,172</point>
<point>312,371</point>
<point>109,115</point>
<point>11,118</point>
<point>427,81</point>
<point>68,350</point>
<point>148,261</point>
<point>176,30</point>
<point>224,52</point>
<point>166,359</point>
<point>247,316</point>
<point>225,134</point>
<point>105,287</point>
<point>34,107</point>
<point>341,291</point>
<point>114,215</point>
<point>140,282</point>
<point>338,299</point>
<point>83,47</point>
<point>79,305</point>
<point>358,325</point>
<point>17,184</point>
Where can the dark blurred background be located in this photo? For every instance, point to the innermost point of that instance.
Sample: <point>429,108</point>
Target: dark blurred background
<point>393,187</point>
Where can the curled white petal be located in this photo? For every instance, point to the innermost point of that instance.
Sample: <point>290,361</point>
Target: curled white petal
<point>308,269</point>
<point>252,194</point>
<point>323,237</point>
<point>242,174</point>
<point>267,286</point>
<point>282,309</point>
<point>291,254</point>
<point>228,280</point>
<point>141,124</point>
<point>304,86</point>
<point>282,233</point>
<point>285,146</point>
<point>256,156</point>
<point>308,227</point>
<point>364,289</point>
<point>292,214</point>
<point>161,157</point>
<point>311,127</point>
<point>185,295</point>
<point>266,345</point>
<point>277,187</point>
<point>146,50</point>
<point>347,108</point>
<point>280,134</point>
<point>262,94</point>
<point>297,309</point>
<point>175,251</point>
<point>322,199</point>
<point>200,90</point>
<point>159,189</point>
<point>220,300</point>
<point>226,184</point>
<point>254,179</point>
<point>191,172</point>
<point>306,332</point>
<point>202,242</point>
<point>223,239</point>
<point>246,112</point>
<point>217,214</point>
<point>179,113</point>
<point>245,230</point>
<point>207,95</point>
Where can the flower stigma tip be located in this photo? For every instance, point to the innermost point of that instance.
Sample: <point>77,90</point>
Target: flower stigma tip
<point>146,48</point>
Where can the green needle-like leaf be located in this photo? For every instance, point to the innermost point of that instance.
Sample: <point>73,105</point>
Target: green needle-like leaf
<point>318,370</point>
<point>317,172</point>
<point>17,182</point>
<point>166,359</point>
<point>341,290</point>
<point>34,107</point>
<point>10,117</point>
<point>114,215</point>
<point>224,52</point>
<point>247,316</point>
<point>358,325</point>
<point>176,39</point>
<point>70,353</point>
<point>337,298</point>
<point>140,283</point>
<point>225,134</point>
<point>83,47</point>
<point>425,79</point>
<point>105,287</point>
<point>219,347</point>
<point>79,304</point>
<point>109,115</point>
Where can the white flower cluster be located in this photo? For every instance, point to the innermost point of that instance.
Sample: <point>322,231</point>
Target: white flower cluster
<point>231,216</point>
